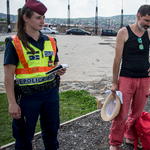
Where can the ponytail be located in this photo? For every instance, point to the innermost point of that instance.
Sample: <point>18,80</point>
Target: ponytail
<point>21,27</point>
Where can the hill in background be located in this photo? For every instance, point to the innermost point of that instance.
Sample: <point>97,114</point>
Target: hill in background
<point>113,21</point>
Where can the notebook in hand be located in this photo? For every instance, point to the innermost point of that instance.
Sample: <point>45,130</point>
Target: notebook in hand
<point>59,67</point>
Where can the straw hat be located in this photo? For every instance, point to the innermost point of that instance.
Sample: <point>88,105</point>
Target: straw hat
<point>110,108</point>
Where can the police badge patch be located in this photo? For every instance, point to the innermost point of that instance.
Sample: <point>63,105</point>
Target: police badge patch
<point>48,53</point>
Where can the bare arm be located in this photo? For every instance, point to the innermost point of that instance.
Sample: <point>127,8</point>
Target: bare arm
<point>14,109</point>
<point>120,40</point>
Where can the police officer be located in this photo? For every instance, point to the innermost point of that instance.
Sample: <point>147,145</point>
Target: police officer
<point>29,55</point>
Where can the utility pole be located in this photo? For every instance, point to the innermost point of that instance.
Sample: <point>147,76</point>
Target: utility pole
<point>68,14</point>
<point>8,13</point>
<point>108,23</point>
<point>96,18</point>
<point>121,16</point>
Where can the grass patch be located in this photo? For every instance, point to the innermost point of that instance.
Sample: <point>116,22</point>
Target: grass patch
<point>75,103</point>
<point>72,105</point>
<point>1,43</point>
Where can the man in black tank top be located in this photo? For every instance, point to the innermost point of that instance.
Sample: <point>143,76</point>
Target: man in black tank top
<point>131,76</point>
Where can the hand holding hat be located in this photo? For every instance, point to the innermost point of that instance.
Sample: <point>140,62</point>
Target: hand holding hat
<point>111,107</point>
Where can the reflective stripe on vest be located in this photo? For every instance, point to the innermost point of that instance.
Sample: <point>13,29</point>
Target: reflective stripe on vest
<point>34,80</point>
<point>26,69</point>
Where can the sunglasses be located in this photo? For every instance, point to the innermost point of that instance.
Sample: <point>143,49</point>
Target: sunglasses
<point>141,47</point>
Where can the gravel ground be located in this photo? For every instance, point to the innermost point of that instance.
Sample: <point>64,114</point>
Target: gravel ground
<point>87,133</point>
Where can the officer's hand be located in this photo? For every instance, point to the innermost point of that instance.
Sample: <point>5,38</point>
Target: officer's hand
<point>61,72</point>
<point>14,111</point>
<point>114,88</point>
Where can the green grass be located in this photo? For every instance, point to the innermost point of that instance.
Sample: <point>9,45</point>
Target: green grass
<point>72,104</point>
<point>1,43</point>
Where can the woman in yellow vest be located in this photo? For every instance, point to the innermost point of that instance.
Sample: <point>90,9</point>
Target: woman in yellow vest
<point>28,56</point>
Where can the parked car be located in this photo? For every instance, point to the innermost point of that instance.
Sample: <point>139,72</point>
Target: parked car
<point>108,32</point>
<point>46,30</point>
<point>77,31</point>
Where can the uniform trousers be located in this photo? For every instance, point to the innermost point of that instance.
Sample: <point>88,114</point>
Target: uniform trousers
<point>45,104</point>
<point>135,92</point>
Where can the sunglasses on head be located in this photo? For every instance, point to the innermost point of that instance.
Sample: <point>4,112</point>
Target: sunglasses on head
<point>141,47</point>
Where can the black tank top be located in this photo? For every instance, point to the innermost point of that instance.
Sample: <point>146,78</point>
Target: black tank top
<point>135,59</point>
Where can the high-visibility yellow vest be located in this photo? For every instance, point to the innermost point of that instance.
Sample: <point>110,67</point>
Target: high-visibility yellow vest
<point>31,68</point>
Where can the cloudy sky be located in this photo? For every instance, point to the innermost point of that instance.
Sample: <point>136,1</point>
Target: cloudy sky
<point>80,8</point>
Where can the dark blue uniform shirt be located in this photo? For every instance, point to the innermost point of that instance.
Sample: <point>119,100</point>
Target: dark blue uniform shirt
<point>11,57</point>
